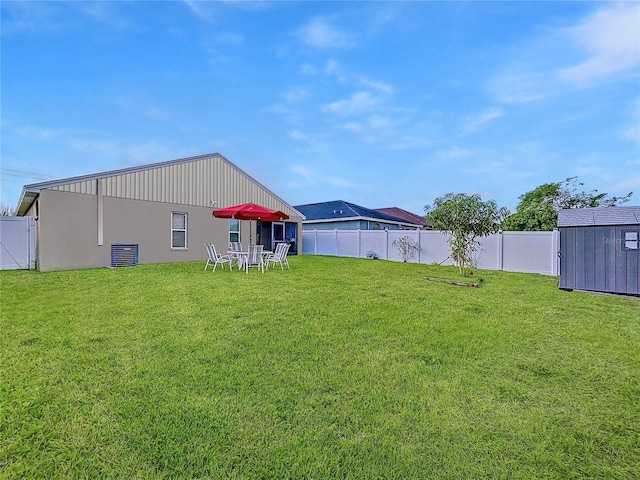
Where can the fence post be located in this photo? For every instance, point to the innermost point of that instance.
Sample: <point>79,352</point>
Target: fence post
<point>500,253</point>
<point>336,242</point>
<point>315,241</point>
<point>359,243</point>
<point>555,249</point>
<point>386,244</point>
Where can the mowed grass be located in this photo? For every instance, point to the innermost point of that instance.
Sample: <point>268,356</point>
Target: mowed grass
<point>338,368</point>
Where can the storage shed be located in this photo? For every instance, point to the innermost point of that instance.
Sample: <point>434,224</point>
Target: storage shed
<point>599,249</point>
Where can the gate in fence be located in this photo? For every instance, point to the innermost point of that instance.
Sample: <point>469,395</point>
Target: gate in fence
<point>17,243</point>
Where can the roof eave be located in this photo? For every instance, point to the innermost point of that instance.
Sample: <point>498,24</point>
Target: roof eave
<point>28,196</point>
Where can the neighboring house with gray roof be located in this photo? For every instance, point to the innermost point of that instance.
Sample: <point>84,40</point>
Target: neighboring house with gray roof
<point>341,215</point>
<point>160,212</point>
<point>600,249</point>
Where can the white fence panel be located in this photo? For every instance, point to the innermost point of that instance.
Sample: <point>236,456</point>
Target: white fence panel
<point>348,243</point>
<point>531,252</point>
<point>17,243</point>
<point>435,248</point>
<point>326,243</point>
<point>374,241</point>
<point>309,242</point>
<point>488,256</point>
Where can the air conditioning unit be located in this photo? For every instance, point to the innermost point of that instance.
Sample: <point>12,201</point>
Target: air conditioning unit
<point>124,255</point>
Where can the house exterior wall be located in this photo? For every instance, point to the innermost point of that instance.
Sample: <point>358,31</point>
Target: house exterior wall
<point>68,230</point>
<point>77,222</point>
<point>594,258</point>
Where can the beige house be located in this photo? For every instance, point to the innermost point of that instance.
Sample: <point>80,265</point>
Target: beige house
<point>160,212</point>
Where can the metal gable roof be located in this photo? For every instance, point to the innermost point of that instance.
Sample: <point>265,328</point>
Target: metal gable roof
<point>579,217</point>
<point>31,191</point>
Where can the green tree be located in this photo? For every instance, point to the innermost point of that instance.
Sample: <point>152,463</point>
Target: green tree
<point>538,209</point>
<point>465,218</point>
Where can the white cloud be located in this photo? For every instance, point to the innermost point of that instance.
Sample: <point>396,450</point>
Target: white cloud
<point>315,177</point>
<point>308,69</point>
<point>632,133</point>
<point>339,182</point>
<point>295,95</point>
<point>320,33</point>
<point>374,122</point>
<point>474,123</point>
<point>230,38</point>
<point>611,38</point>
<point>516,85</point>
<point>155,113</point>
<point>40,133</point>
<point>298,135</point>
<point>625,186</point>
<point>136,153</point>
<point>313,143</point>
<point>357,103</point>
<point>353,127</point>
<point>455,153</point>
<point>210,11</point>
<point>304,172</point>
<point>380,86</point>
<point>379,122</point>
<point>106,13</point>
<point>600,46</point>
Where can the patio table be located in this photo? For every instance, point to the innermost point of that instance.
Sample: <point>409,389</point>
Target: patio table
<point>241,256</point>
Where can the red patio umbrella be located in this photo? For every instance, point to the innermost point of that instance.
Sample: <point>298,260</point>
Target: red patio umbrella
<point>250,211</point>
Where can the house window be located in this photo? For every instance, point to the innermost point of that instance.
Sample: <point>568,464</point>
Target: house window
<point>179,230</point>
<point>234,230</point>
<point>630,240</point>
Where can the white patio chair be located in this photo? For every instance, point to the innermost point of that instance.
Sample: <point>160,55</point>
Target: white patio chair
<point>215,259</point>
<point>270,255</point>
<point>254,258</point>
<point>279,256</point>
<point>236,248</point>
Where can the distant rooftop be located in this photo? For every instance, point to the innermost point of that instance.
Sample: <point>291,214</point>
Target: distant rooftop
<point>405,215</point>
<point>341,210</point>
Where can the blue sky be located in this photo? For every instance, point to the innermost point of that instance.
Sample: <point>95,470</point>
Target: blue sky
<point>380,104</point>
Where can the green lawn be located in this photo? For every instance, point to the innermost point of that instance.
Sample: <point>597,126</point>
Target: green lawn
<point>338,368</point>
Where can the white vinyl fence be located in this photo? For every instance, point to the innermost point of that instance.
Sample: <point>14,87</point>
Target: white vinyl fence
<point>17,243</point>
<point>531,252</point>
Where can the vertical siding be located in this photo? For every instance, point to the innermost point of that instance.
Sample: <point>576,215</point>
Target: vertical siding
<point>87,187</point>
<point>633,271</point>
<point>567,258</point>
<point>195,183</point>
<point>609,242</point>
<point>600,259</point>
<point>580,258</point>
<point>589,259</point>
<point>593,258</point>
<point>621,263</point>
